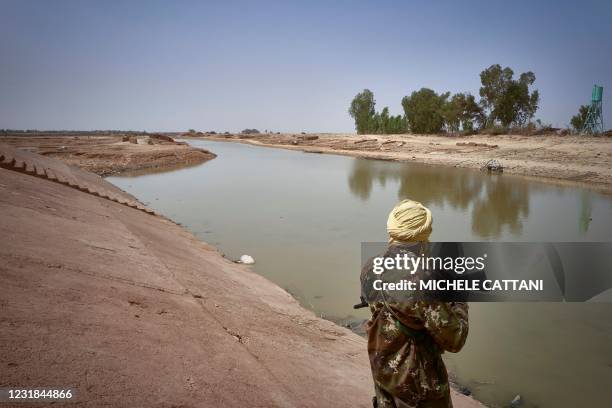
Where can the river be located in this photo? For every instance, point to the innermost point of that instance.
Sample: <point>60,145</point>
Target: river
<point>303,218</point>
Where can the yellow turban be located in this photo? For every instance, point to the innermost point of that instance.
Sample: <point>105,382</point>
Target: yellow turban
<point>409,221</point>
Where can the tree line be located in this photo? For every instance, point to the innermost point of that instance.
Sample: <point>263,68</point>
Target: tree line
<point>504,101</point>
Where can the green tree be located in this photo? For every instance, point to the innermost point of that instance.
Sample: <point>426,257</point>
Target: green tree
<point>578,120</point>
<point>389,124</point>
<point>374,124</point>
<point>462,112</point>
<point>397,125</point>
<point>495,81</point>
<point>527,103</point>
<point>424,110</point>
<point>362,111</point>
<point>505,99</point>
<point>452,112</point>
<point>473,114</point>
<point>384,121</point>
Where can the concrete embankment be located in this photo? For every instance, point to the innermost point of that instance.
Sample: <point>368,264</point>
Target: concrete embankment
<point>132,310</point>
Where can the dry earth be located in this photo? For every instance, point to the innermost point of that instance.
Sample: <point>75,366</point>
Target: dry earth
<point>112,154</point>
<point>566,159</point>
<point>132,310</point>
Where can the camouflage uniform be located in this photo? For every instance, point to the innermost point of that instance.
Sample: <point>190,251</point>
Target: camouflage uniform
<point>405,343</point>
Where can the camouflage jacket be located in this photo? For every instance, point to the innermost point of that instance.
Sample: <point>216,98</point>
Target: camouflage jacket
<point>405,356</point>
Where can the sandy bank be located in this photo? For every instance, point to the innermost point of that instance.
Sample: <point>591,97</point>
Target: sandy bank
<point>112,154</point>
<point>132,310</point>
<point>568,159</point>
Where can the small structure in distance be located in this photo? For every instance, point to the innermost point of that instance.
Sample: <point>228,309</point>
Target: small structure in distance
<point>593,124</point>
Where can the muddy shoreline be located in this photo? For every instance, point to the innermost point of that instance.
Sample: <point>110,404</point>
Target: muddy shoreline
<point>569,160</point>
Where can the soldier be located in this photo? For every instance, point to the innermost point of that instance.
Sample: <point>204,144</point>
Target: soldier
<point>407,338</point>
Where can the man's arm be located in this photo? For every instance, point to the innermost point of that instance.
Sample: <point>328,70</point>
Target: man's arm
<point>447,323</point>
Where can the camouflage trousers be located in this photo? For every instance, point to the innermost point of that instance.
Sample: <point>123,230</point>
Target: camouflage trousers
<point>386,400</point>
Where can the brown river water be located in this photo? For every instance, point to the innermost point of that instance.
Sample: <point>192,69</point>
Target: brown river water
<point>303,218</point>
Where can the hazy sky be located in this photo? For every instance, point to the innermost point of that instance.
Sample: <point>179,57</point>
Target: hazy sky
<point>284,66</point>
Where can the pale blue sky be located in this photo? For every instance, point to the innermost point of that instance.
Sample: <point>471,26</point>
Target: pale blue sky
<point>282,65</point>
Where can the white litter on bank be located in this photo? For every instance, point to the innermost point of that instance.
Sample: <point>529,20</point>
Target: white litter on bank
<point>246,259</point>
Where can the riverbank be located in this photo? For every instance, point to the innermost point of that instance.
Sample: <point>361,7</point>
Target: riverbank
<point>131,309</point>
<point>583,160</point>
<point>111,154</point>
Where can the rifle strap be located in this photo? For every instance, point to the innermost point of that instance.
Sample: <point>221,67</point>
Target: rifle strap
<point>421,336</point>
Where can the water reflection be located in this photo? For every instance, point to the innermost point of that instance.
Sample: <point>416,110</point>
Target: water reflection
<point>585,212</point>
<point>496,203</point>
<point>503,205</point>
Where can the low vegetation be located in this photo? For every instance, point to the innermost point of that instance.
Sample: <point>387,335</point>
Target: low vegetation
<point>250,132</point>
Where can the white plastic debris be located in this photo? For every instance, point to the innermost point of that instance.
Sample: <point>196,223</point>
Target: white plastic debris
<point>516,402</point>
<point>246,259</point>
